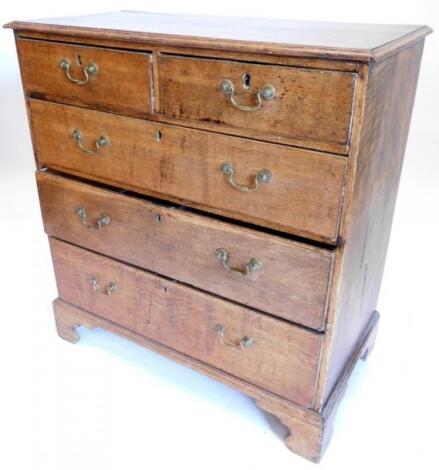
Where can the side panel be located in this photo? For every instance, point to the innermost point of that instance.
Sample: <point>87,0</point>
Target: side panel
<point>380,137</point>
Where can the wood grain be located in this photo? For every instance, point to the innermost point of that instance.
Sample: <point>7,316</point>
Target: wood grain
<point>303,198</point>
<point>122,84</point>
<point>283,358</point>
<point>296,38</point>
<point>342,89</point>
<point>310,105</point>
<point>107,93</point>
<point>309,431</point>
<point>125,43</point>
<point>292,284</point>
<point>380,140</point>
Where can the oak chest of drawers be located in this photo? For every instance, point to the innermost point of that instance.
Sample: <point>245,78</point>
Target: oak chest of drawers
<point>221,190</point>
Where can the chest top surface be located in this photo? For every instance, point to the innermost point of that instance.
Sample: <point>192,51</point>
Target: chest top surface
<point>362,42</point>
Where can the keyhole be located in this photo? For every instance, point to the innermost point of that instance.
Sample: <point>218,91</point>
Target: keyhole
<point>159,136</point>
<point>78,59</point>
<point>246,80</point>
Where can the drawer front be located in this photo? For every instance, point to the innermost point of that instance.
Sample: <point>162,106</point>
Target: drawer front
<point>273,354</point>
<point>284,278</point>
<point>304,104</point>
<point>302,195</point>
<point>114,80</point>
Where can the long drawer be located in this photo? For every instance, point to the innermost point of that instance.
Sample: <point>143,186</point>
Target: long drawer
<point>292,190</point>
<point>95,77</point>
<point>272,354</point>
<point>285,278</point>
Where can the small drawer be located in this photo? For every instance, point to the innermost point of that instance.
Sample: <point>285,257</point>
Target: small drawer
<point>281,277</point>
<point>292,190</point>
<point>272,354</point>
<point>94,77</point>
<point>307,107</point>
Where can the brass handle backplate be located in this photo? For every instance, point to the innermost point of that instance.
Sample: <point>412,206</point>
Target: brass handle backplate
<point>89,70</point>
<point>101,221</point>
<point>99,142</point>
<point>262,177</point>
<point>243,343</point>
<point>106,290</point>
<point>253,265</point>
<point>267,92</point>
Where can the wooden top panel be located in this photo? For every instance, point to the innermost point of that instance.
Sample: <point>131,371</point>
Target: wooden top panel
<point>362,42</point>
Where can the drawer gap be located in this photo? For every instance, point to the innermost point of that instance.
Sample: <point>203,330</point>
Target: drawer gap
<point>251,61</point>
<point>157,117</point>
<point>77,42</point>
<point>185,208</point>
<point>169,279</point>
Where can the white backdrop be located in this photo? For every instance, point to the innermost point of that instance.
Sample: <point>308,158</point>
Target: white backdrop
<point>106,403</point>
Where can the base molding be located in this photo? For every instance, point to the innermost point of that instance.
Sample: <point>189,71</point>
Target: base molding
<point>310,430</point>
